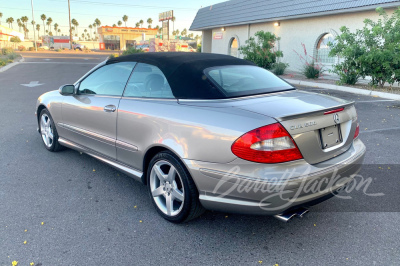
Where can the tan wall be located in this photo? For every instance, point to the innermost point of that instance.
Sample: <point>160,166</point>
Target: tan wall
<point>295,32</point>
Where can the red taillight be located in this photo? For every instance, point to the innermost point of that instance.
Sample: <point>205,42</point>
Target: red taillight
<point>334,111</point>
<point>268,144</point>
<point>357,131</point>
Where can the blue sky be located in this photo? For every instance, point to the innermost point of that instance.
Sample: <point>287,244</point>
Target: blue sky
<point>108,11</point>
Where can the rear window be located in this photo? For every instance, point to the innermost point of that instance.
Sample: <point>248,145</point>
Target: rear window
<point>237,81</point>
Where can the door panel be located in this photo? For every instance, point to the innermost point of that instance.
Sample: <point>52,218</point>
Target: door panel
<point>87,123</point>
<point>90,116</point>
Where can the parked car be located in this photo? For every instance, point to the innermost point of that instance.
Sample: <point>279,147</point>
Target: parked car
<point>206,131</point>
<point>78,46</point>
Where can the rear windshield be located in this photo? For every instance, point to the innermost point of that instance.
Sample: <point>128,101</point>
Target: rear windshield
<point>237,81</point>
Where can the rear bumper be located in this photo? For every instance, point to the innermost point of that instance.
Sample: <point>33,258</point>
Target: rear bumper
<point>252,188</point>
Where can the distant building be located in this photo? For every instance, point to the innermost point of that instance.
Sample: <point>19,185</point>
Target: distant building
<point>6,33</point>
<point>226,26</point>
<point>122,38</point>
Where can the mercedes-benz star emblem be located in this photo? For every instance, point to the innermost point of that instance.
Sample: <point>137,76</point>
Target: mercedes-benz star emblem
<point>336,118</point>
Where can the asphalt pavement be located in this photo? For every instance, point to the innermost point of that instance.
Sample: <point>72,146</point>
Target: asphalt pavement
<point>68,208</point>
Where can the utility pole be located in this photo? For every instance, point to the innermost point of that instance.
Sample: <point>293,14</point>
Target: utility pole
<point>34,24</point>
<point>70,31</point>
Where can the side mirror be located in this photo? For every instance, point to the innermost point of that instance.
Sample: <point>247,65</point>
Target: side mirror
<point>67,90</point>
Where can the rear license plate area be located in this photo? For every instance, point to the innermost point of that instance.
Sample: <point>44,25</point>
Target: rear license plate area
<point>330,136</point>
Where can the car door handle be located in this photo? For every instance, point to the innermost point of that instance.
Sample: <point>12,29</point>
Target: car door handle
<point>110,108</point>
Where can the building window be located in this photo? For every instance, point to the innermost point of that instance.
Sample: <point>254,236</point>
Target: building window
<point>233,47</point>
<point>323,49</point>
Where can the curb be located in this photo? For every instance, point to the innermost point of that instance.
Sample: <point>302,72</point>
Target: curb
<point>345,89</point>
<point>4,68</point>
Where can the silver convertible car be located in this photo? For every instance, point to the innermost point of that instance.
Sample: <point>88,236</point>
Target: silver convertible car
<point>207,131</point>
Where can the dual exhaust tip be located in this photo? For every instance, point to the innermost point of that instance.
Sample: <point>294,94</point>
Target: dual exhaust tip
<point>287,216</point>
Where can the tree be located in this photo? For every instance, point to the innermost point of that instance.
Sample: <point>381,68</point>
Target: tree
<point>75,23</point>
<point>137,24</point>
<point>149,21</point>
<point>38,29</point>
<point>49,22</point>
<point>184,32</point>
<point>125,19</point>
<point>97,22</point>
<point>120,23</point>
<point>10,21</point>
<point>43,17</point>
<point>1,15</point>
<point>55,27</point>
<point>141,23</point>
<point>114,25</point>
<point>371,51</point>
<point>16,40</point>
<point>261,49</point>
<point>90,27</point>
<point>176,32</point>
<point>19,24</point>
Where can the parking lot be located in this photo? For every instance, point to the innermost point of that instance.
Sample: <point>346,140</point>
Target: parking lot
<point>68,208</point>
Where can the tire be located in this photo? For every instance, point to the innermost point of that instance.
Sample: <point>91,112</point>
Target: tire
<point>168,180</point>
<point>48,132</point>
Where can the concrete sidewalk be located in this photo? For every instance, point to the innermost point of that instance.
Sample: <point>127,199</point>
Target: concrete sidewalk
<point>344,88</point>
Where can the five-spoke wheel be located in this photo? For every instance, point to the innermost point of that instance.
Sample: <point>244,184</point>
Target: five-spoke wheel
<point>48,131</point>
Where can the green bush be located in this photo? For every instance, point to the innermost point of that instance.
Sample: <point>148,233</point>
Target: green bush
<point>261,50</point>
<point>31,49</point>
<point>371,51</point>
<point>132,50</point>
<point>279,68</point>
<point>198,48</point>
<point>59,50</point>
<point>12,56</point>
<point>113,56</point>
<point>7,50</point>
<point>21,48</point>
<point>3,62</point>
<point>312,70</point>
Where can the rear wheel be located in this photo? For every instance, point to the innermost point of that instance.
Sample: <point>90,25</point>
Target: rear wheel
<point>48,131</point>
<point>172,189</point>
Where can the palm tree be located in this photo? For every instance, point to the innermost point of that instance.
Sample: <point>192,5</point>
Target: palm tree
<point>58,31</point>
<point>90,27</point>
<point>38,29</point>
<point>184,32</point>
<point>97,22</point>
<point>49,21</point>
<point>114,25</point>
<point>55,27</point>
<point>120,23</point>
<point>176,32</point>
<point>125,19</point>
<point>1,15</point>
<point>160,30</point>
<point>149,20</point>
<point>137,25</point>
<point>10,21</point>
<point>141,23</point>
<point>19,24</point>
<point>43,17</point>
<point>75,23</point>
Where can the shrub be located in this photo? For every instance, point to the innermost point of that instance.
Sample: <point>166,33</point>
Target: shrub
<point>31,49</point>
<point>198,48</point>
<point>21,48</point>
<point>59,50</point>
<point>279,68</point>
<point>261,51</point>
<point>371,51</point>
<point>3,62</point>
<point>113,56</point>
<point>312,70</point>
<point>86,50</point>
<point>132,50</point>
<point>12,56</point>
<point>7,50</point>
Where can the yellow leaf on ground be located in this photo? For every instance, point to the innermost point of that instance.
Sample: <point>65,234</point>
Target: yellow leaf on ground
<point>25,242</point>
<point>42,223</point>
<point>32,263</point>
<point>14,263</point>
<point>140,221</point>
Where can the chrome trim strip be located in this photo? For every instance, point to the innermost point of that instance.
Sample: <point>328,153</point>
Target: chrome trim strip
<point>126,146</point>
<point>136,174</point>
<point>89,134</point>
<point>232,201</point>
<point>218,174</point>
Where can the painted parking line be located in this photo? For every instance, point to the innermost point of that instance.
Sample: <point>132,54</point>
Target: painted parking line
<point>65,63</point>
<point>63,57</point>
<point>377,130</point>
<point>375,101</point>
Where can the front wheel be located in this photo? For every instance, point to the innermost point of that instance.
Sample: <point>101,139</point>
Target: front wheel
<point>172,190</point>
<point>48,131</point>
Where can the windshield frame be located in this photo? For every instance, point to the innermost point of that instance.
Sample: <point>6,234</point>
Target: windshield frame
<point>249,92</point>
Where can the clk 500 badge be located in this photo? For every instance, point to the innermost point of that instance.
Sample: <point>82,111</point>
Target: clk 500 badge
<point>308,124</point>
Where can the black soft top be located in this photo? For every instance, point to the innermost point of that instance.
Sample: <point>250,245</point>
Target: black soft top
<point>185,71</point>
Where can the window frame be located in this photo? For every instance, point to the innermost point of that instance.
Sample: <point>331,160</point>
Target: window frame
<point>147,98</point>
<point>317,49</point>
<point>78,83</point>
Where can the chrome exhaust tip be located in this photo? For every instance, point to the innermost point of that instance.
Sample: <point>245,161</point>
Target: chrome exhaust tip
<point>287,216</point>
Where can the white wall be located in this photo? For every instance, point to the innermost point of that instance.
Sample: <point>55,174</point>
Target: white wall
<point>294,32</point>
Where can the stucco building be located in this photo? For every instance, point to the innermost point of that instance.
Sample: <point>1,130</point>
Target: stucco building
<point>226,26</point>
<point>122,38</point>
